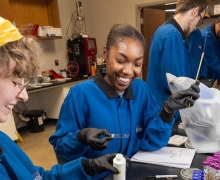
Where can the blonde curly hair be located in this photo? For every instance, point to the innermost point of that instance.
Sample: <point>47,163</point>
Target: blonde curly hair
<point>26,52</point>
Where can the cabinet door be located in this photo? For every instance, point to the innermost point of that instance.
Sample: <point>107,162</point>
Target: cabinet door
<point>9,128</point>
<point>152,19</point>
<point>42,12</point>
<point>5,10</point>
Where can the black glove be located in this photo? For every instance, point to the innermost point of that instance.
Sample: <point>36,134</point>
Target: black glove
<point>99,165</point>
<point>92,137</point>
<point>180,100</point>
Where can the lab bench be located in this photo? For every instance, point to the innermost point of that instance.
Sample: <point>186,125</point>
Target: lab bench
<point>137,170</point>
<point>48,97</point>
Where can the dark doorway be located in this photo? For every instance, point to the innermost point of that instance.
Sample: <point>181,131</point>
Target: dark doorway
<point>153,17</point>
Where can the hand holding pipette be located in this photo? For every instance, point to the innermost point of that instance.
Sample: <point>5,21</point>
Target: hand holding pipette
<point>97,139</point>
<point>181,99</point>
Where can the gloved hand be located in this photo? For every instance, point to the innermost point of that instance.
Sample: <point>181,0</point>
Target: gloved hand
<point>180,100</point>
<point>99,165</point>
<point>92,137</point>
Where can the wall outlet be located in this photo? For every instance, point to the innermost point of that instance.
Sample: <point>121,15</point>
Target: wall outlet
<point>56,62</point>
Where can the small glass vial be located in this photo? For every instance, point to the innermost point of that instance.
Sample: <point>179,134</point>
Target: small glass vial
<point>209,158</point>
<point>212,170</point>
<point>216,153</point>
<point>120,163</point>
<point>206,169</point>
<point>217,171</point>
<point>93,72</point>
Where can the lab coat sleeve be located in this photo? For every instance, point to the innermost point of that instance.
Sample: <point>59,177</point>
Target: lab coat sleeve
<point>212,56</point>
<point>14,162</point>
<point>2,177</point>
<point>71,120</point>
<point>68,171</point>
<point>157,134</point>
<point>172,57</point>
<point>156,131</point>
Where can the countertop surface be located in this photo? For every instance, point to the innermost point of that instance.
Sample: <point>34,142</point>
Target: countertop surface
<point>52,83</point>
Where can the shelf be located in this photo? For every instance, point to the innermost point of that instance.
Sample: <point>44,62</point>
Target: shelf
<point>22,12</point>
<point>212,16</point>
<point>215,16</point>
<point>48,37</point>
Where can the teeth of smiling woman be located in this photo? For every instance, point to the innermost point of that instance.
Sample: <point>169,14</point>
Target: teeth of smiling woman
<point>124,79</point>
<point>10,106</point>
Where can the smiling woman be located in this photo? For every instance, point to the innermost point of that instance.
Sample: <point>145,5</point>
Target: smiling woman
<point>118,102</point>
<point>19,59</point>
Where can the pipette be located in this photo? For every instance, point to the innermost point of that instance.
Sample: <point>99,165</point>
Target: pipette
<point>200,63</point>
<point>120,135</point>
<point>202,56</point>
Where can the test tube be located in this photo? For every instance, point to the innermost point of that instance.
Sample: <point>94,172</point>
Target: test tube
<point>217,171</point>
<point>120,135</point>
<point>212,170</point>
<point>206,169</point>
<point>216,155</point>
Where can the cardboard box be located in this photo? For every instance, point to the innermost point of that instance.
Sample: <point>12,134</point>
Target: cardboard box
<point>57,31</point>
<point>50,31</point>
<point>41,31</point>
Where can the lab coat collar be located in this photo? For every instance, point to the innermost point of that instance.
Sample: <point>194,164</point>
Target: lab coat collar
<point>177,26</point>
<point>109,91</point>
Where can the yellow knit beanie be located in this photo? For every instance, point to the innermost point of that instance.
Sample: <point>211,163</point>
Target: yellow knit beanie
<point>8,32</point>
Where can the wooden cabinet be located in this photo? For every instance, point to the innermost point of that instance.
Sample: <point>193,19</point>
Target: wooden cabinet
<point>42,12</point>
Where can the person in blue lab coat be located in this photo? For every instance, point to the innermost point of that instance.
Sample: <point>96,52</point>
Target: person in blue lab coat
<point>19,60</point>
<point>211,35</point>
<point>176,48</point>
<point>119,102</point>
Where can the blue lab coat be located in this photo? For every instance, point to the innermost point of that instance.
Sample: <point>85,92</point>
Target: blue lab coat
<point>94,103</point>
<point>15,164</point>
<point>212,51</point>
<point>171,52</point>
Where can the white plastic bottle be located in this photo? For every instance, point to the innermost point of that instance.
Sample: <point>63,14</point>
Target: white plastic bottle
<point>120,163</point>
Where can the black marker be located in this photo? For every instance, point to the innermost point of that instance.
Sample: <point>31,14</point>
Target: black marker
<point>160,177</point>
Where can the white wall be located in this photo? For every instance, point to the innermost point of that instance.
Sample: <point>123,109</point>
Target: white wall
<point>100,15</point>
<point>104,13</point>
<point>56,49</point>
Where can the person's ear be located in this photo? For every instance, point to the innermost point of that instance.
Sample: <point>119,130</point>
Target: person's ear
<point>195,11</point>
<point>218,25</point>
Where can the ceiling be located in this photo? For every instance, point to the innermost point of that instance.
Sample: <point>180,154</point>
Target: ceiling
<point>163,6</point>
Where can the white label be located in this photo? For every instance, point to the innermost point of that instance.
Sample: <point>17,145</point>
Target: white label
<point>216,9</point>
<point>40,121</point>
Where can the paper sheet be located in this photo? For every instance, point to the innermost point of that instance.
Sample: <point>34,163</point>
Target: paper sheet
<point>166,156</point>
<point>177,140</point>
